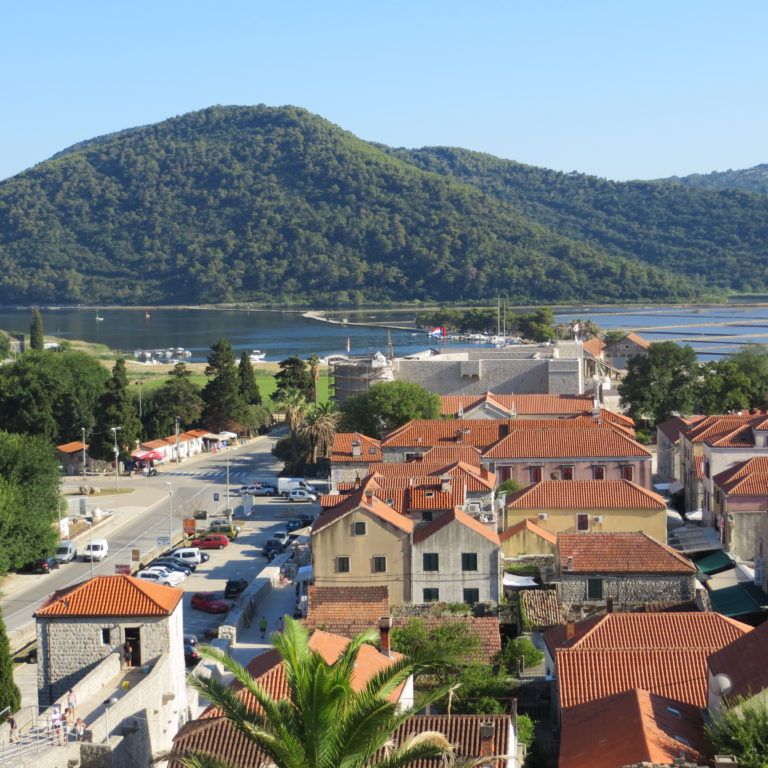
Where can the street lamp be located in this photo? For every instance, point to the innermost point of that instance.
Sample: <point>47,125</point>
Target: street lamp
<point>229,511</point>
<point>170,513</point>
<point>115,430</point>
<point>177,440</point>
<point>139,383</point>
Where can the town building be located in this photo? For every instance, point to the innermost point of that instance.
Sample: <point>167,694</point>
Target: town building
<point>619,353</point>
<point>668,463</point>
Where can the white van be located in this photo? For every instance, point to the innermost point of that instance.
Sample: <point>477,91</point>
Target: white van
<point>193,554</point>
<point>286,484</point>
<point>97,549</point>
<point>66,551</point>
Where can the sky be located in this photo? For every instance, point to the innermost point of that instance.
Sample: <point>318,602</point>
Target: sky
<point>621,90</point>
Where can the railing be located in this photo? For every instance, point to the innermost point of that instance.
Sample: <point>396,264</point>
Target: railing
<point>34,735</point>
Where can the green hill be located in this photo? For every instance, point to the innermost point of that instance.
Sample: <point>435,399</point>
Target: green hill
<point>279,205</point>
<point>747,180</point>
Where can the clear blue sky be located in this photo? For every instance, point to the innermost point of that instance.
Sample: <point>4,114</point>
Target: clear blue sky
<point>618,89</point>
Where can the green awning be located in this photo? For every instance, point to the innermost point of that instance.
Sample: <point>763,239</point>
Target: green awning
<point>733,601</point>
<point>714,562</point>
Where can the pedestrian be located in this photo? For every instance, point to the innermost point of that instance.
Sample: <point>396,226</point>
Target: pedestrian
<point>263,626</point>
<point>56,734</point>
<point>127,654</point>
<point>79,729</point>
<point>14,729</point>
<point>68,722</point>
<point>280,624</point>
<point>72,701</point>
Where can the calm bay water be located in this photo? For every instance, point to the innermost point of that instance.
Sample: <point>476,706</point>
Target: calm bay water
<point>712,331</point>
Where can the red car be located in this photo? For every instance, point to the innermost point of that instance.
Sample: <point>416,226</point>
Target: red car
<point>210,602</point>
<point>212,541</point>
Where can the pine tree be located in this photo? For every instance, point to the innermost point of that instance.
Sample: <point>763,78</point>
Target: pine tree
<point>249,389</point>
<point>36,332</point>
<point>116,409</point>
<point>10,696</point>
<point>221,395</point>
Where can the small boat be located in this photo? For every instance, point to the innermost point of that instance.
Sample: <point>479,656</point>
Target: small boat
<point>147,315</point>
<point>257,356</point>
<point>98,318</point>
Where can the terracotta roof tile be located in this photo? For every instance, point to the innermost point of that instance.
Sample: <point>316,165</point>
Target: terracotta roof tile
<point>72,447</point>
<point>638,340</point>
<point>112,596</point>
<point>714,428</point>
<point>531,526</point>
<point>744,661</point>
<point>525,405</point>
<point>370,449</point>
<point>590,552</point>
<point>447,454</point>
<point>197,432</point>
<point>698,462</point>
<point>151,444</point>
<point>630,728</point>
<point>359,500</point>
<point>585,494</point>
<point>747,478</point>
<point>477,479</point>
<point>485,627</point>
<point>455,515</point>
<point>594,346</point>
<point>346,611</point>
<point>676,426</point>
<point>541,607</point>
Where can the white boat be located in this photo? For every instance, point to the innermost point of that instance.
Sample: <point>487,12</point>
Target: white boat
<point>257,356</point>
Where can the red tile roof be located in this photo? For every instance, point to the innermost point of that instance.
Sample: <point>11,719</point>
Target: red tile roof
<point>447,454</point>
<point>748,478</point>
<point>455,515</point>
<point>197,432</point>
<point>594,346</point>
<point>370,449</point>
<point>111,596</point>
<point>525,405</point>
<point>585,494</point>
<point>151,444</point>
<point>359,500</point>
<point>630,728</point>
<point>72,447</point>
<point>744,661</point>
<point>713,429</point>
<point>531,526</point>
<point>477,479</point>
<point>485,627</point>
<point>637,339</point>
<point>674,427</point>
<point>541,607</point>
<point>589,552</point>
<point>346,611</point>
<point>698,462</point>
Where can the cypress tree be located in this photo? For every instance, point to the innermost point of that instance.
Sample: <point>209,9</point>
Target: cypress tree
<point>116,409</point>
<point>223,402</point>
<point>36,332</point>
<point>10,696</point>
<point>249,389</point>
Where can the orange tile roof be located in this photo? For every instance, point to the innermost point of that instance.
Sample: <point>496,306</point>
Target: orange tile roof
<point>630,728</point>
<point>637,339</point>
<point>370,449</point>
<point>531,526</point>
<point>486,628</point>
<point>698,462</point>
<point>591,552</point>
<point>72,447</point>
<point>585,494</point>
<point>460,517</point>
<point>744,661</point>
<point>358,500</point>
<point>447,454</point>
<point>155,444</point>
<point>594,346</point>
<point>715,428</point>
<point>111,596</point>
<point>525,405</point>
<point>676,426</point>
<point>748,478</point>
<point>476,478</point>
<point>541,607</point>
<point>598,441</point>
<point>346,611</point>
<point>197,432</point>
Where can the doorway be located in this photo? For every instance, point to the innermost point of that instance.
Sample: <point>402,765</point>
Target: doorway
<point>133,636</point>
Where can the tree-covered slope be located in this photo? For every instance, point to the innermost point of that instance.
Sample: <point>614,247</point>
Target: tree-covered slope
<point>747,180</point>
<point>720,236</point>
<point>276,204</point>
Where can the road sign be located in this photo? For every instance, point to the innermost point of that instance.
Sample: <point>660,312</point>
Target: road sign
<point>163,541</point>
<point>136,555</point>
<point>189,525</point>
<point>123,569</point>
<point>215,496</point>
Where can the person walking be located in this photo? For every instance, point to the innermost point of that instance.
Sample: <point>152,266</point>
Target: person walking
<point>72,701</point>
<point>263,626</point>
<point>56,734</point>
<point>14,729</point>
<point>79,729</point>
<point>127,654</point>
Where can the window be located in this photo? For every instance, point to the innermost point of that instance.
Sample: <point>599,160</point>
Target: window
<point>469,561</point>
<point>431,595</point>
<point>471,596</point>
<point>535,474</point>
<point>342,564</point>
<point>594,589</point>
<point>379,564</point>
<point>582,522</point>
<point>427,515</point>
<point>506,473</point>
<point>706,468</point>
<point>105,636</point>
<point>628,472</point>
<point>430,561</point>
<point>568,472</point>
<point>358,529</point>
<point>598,472</point>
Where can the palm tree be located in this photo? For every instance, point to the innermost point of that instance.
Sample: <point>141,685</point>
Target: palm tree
<point>323,722</point>
<point>293,403</point>
<point>319,426</point>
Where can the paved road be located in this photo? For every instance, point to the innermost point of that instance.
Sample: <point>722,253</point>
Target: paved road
<point>140,517</point>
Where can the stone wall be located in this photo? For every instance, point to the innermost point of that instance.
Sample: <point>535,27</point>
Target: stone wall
<point>246,609</point>
<point>743,534</point>
<point>627,588</point>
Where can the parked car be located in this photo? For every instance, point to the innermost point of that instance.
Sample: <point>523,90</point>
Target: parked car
<point>224,526</point>
<point>282,537</point>
<point>306,519</point>
<point>45,565</point>
<point>210,541</point>
<point>293,525</point>
<point>264,489</point>
<point>97,549</point>
<point>272,548</point>
<point>210,602</point>
<point>167,562</point>
<point>191,656</point>
<point>189,554</point>
<point>66,551</point>
<point>160,576</point>
<point>302,494</point>
<point>286,484</point>
<point>234,587</point>
<point>184,562</point>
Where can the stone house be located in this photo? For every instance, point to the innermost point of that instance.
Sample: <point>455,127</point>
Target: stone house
<point>78,627</point>
<point>619,353</point>
<point>740,501</point>
<point>351,454</point>
<point>71,457</point>
<point>668,464</point>
<point>628,568</point>
<point>616,506</point>
<point>455,560</point>
<point>527,538</point>
<point>363,541</point>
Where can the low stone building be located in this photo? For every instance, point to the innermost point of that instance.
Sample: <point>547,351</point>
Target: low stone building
<point>619,353</point>
<point>78,627</point>
<point>351,455</point>
<point>628,568</point>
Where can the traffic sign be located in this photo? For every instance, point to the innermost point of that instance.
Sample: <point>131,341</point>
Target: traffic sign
<point>163,541</point>
<point>123,569</point>
<point>189,525</point>
<point>215,496</point>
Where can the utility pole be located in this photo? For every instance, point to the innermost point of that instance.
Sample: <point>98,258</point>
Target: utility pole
<point>139,384</point>
<point>170,514</point>
<point>115,430</point>
<point>178,458</point>
<point>229,511</point>
<point>83,429</point>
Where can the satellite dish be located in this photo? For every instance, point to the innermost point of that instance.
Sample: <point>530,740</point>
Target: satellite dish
<point>721,685</point>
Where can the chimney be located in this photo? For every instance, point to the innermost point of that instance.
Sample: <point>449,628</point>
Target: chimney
<point>357,481</point>
<point>445,483</point>
<point>569,563</point>
<point>357,447</point>
<point>487,731</point>
<point>369,495</point>
<point>609,604</point>
<point>459,435</point>
<point>570,630</point>
<point>385,625</point>
<point>725,761</point>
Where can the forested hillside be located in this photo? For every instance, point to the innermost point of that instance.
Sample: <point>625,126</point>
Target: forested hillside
<point>279,205</point>
<point>747,180</point>
<point>720,236</point>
